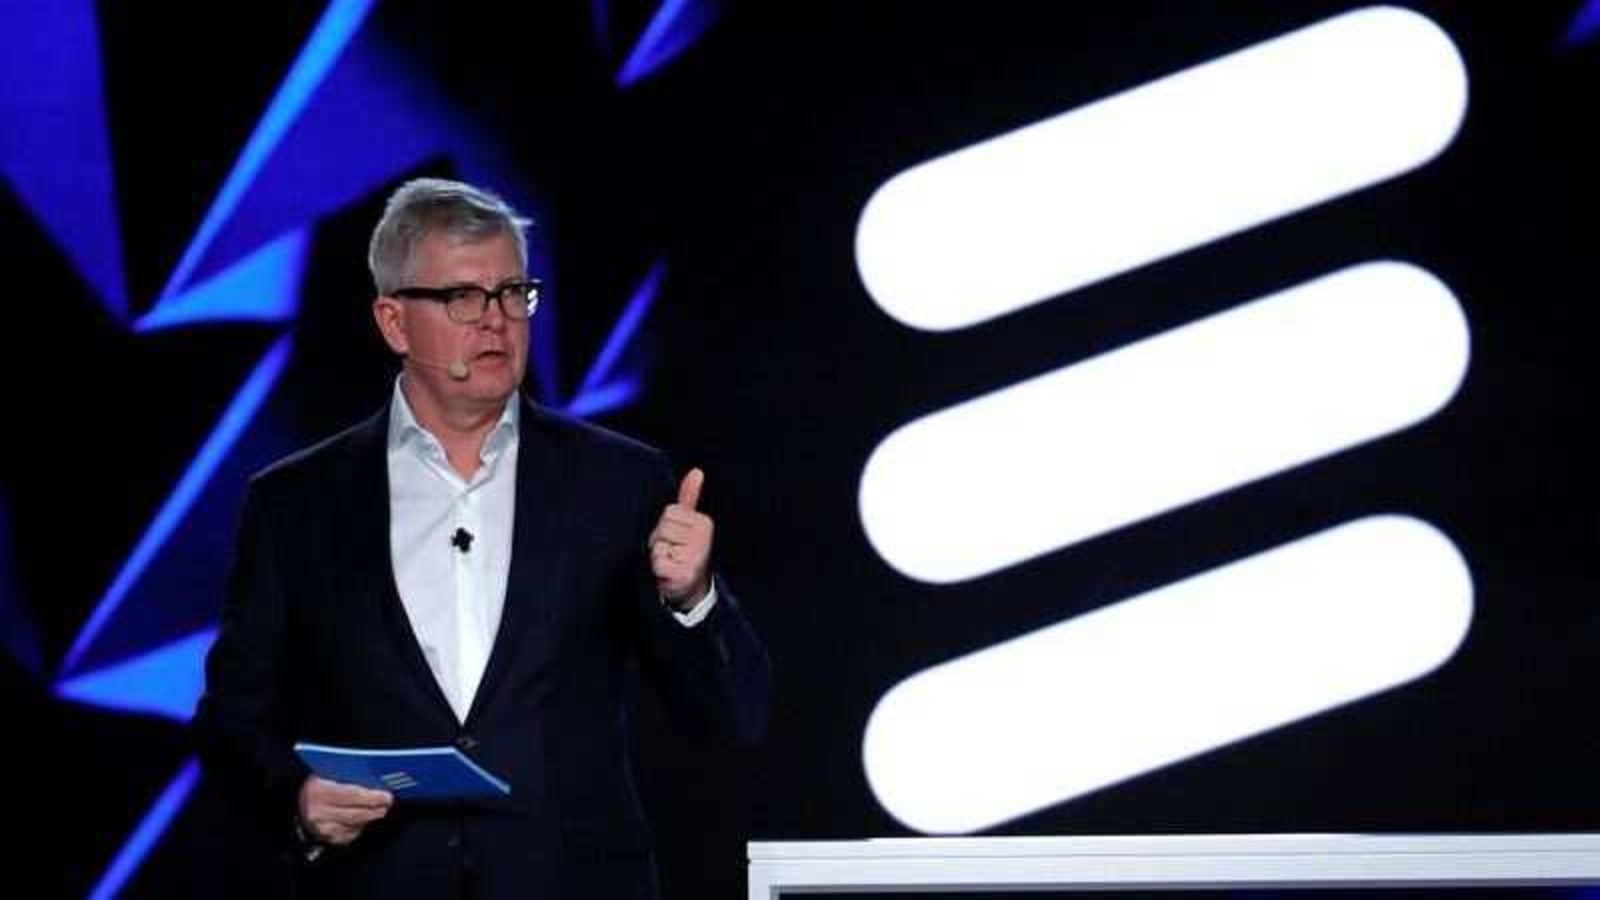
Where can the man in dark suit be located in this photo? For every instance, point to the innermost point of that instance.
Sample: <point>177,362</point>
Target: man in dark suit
<point>466,568</point>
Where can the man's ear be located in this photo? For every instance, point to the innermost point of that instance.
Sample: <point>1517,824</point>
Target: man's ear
<point>390,316</point>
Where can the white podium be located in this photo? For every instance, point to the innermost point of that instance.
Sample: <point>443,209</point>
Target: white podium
<point>1171,862</point>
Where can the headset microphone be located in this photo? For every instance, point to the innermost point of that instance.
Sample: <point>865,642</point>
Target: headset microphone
<point>457,368</point>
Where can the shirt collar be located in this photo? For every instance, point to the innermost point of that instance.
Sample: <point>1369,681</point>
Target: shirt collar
<point>404,427</point>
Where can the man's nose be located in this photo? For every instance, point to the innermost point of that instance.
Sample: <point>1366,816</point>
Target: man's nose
<point>494,317</point>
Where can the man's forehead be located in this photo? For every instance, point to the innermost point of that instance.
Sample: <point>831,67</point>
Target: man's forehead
<point>441,253</point>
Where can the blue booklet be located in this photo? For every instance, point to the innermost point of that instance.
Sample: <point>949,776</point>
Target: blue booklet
<point>423,773</point>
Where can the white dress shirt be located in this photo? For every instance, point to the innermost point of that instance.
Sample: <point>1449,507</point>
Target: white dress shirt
<point>454,598</point>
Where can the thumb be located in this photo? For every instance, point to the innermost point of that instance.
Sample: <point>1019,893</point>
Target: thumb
<point>689,491</point>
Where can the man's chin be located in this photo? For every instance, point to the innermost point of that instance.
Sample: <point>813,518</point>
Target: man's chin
<point>491,386</point>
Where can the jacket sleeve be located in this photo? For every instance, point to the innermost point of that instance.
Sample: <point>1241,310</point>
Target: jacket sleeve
<point>713,678</point>
<point>240,725</point>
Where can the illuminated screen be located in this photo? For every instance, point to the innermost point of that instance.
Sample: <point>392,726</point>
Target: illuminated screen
<point>1119,418</point>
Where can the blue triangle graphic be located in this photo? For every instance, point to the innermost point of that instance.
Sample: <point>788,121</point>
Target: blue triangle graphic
<point>166,681</point>
<point>262,287</point>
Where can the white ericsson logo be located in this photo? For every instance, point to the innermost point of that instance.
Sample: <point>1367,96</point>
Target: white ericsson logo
<point>1308,371</point>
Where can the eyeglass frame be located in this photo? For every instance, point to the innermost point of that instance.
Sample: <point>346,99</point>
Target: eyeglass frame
<point>531,286</point>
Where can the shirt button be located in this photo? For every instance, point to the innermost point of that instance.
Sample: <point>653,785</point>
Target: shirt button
<point>467,742</point>
<point>453,841</point>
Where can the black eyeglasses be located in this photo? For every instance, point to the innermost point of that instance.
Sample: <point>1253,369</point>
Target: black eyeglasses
<point>467,304</point>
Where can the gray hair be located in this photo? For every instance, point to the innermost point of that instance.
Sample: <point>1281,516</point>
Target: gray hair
<point>427,206</point>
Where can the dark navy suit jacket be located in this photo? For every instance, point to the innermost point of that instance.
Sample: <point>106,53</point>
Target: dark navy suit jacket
<point>315,645</point>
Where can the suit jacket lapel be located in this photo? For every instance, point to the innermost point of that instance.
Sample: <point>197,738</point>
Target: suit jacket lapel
<point>370,565</point>
<point>542,494</point>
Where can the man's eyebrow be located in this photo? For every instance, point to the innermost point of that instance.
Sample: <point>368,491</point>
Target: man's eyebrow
<point>453,285</point>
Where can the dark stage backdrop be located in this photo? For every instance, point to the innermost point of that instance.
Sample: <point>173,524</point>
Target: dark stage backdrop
<point>185,196</point>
